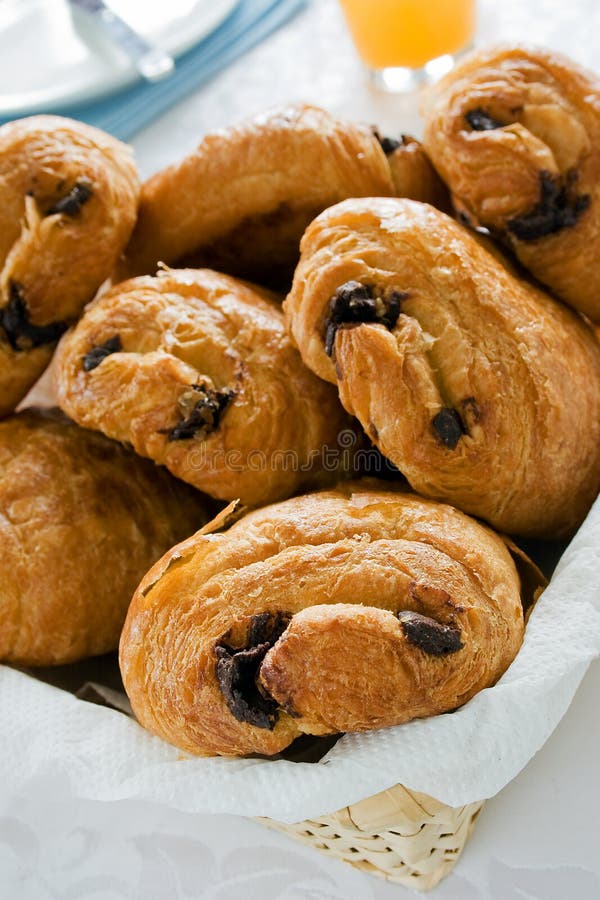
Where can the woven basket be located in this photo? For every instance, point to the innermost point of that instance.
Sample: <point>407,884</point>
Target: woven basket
<point>400,835</point>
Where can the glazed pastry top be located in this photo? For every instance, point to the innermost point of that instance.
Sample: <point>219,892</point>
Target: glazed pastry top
<point>343,610</point>
<point>69,202</point>
<point>483,390</point>
<point>241,201</point>
<point>194,370</point>
<point>81,520</point>
<point>69,195</point>
<point>515,133</point>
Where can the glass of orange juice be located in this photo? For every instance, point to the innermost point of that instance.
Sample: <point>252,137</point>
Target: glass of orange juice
<point>407,42</point>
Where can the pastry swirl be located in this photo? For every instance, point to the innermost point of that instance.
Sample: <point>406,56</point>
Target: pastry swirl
<point>481,389</point>
<point>81,520</point>
<point>194,369</point>
<point>515,133</point>
<point>346,610</point>
<point>69,202</point>
<point>241,201</point>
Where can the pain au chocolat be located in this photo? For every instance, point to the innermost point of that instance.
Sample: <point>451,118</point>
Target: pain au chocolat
<point>69,201</point>
<point>81,520</point>
<point>195,370</point>
<point>345,610</point>
<point>240,202</point>
<point>480,388</point>
<point>515,133</point>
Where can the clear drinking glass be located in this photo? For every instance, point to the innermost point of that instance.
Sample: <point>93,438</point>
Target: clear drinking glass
<point>405,43</point>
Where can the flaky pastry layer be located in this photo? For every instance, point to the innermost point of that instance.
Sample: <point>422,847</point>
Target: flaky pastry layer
<point>515,133</point>
<point>240,202</point>
<point>195,370</point>
<point>69,203</point>
<point>483,390</point>
<point>81,520</point>
<point>346,610</point>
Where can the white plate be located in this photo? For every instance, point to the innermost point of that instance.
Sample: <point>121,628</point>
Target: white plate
<point>52,56</point>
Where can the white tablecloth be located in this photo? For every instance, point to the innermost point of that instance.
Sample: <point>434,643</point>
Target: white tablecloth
<point>540,838</point>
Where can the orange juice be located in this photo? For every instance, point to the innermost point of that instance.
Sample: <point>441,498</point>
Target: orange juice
<point>390,33</point>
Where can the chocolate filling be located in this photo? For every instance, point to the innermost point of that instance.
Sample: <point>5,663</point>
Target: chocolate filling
<point>355,303</point>
<point>558,207</point>
<point>22,334</point>
<point>428,635</point>
<point>387,144</point>
<point>237,671</point>
<point>204,416</point>
<point>479,120</point>
<point>98,354</point>
<point>71,203</point>
<point>448,427</point>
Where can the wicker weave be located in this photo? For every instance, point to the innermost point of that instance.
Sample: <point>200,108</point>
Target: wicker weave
<point>400,835</point>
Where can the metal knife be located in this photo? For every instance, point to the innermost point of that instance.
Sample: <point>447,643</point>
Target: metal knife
<point>151,61</point>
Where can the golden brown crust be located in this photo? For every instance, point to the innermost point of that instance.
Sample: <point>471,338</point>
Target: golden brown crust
<point>241,201</point>
<point>483,391</point>
<point>197,344</point>
<point>69,201</point>
<point>322,592</point>
<point>81,519</point>
<point>515,133</point>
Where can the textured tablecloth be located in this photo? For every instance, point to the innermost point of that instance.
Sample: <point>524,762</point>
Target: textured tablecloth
<point>538,839</point>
